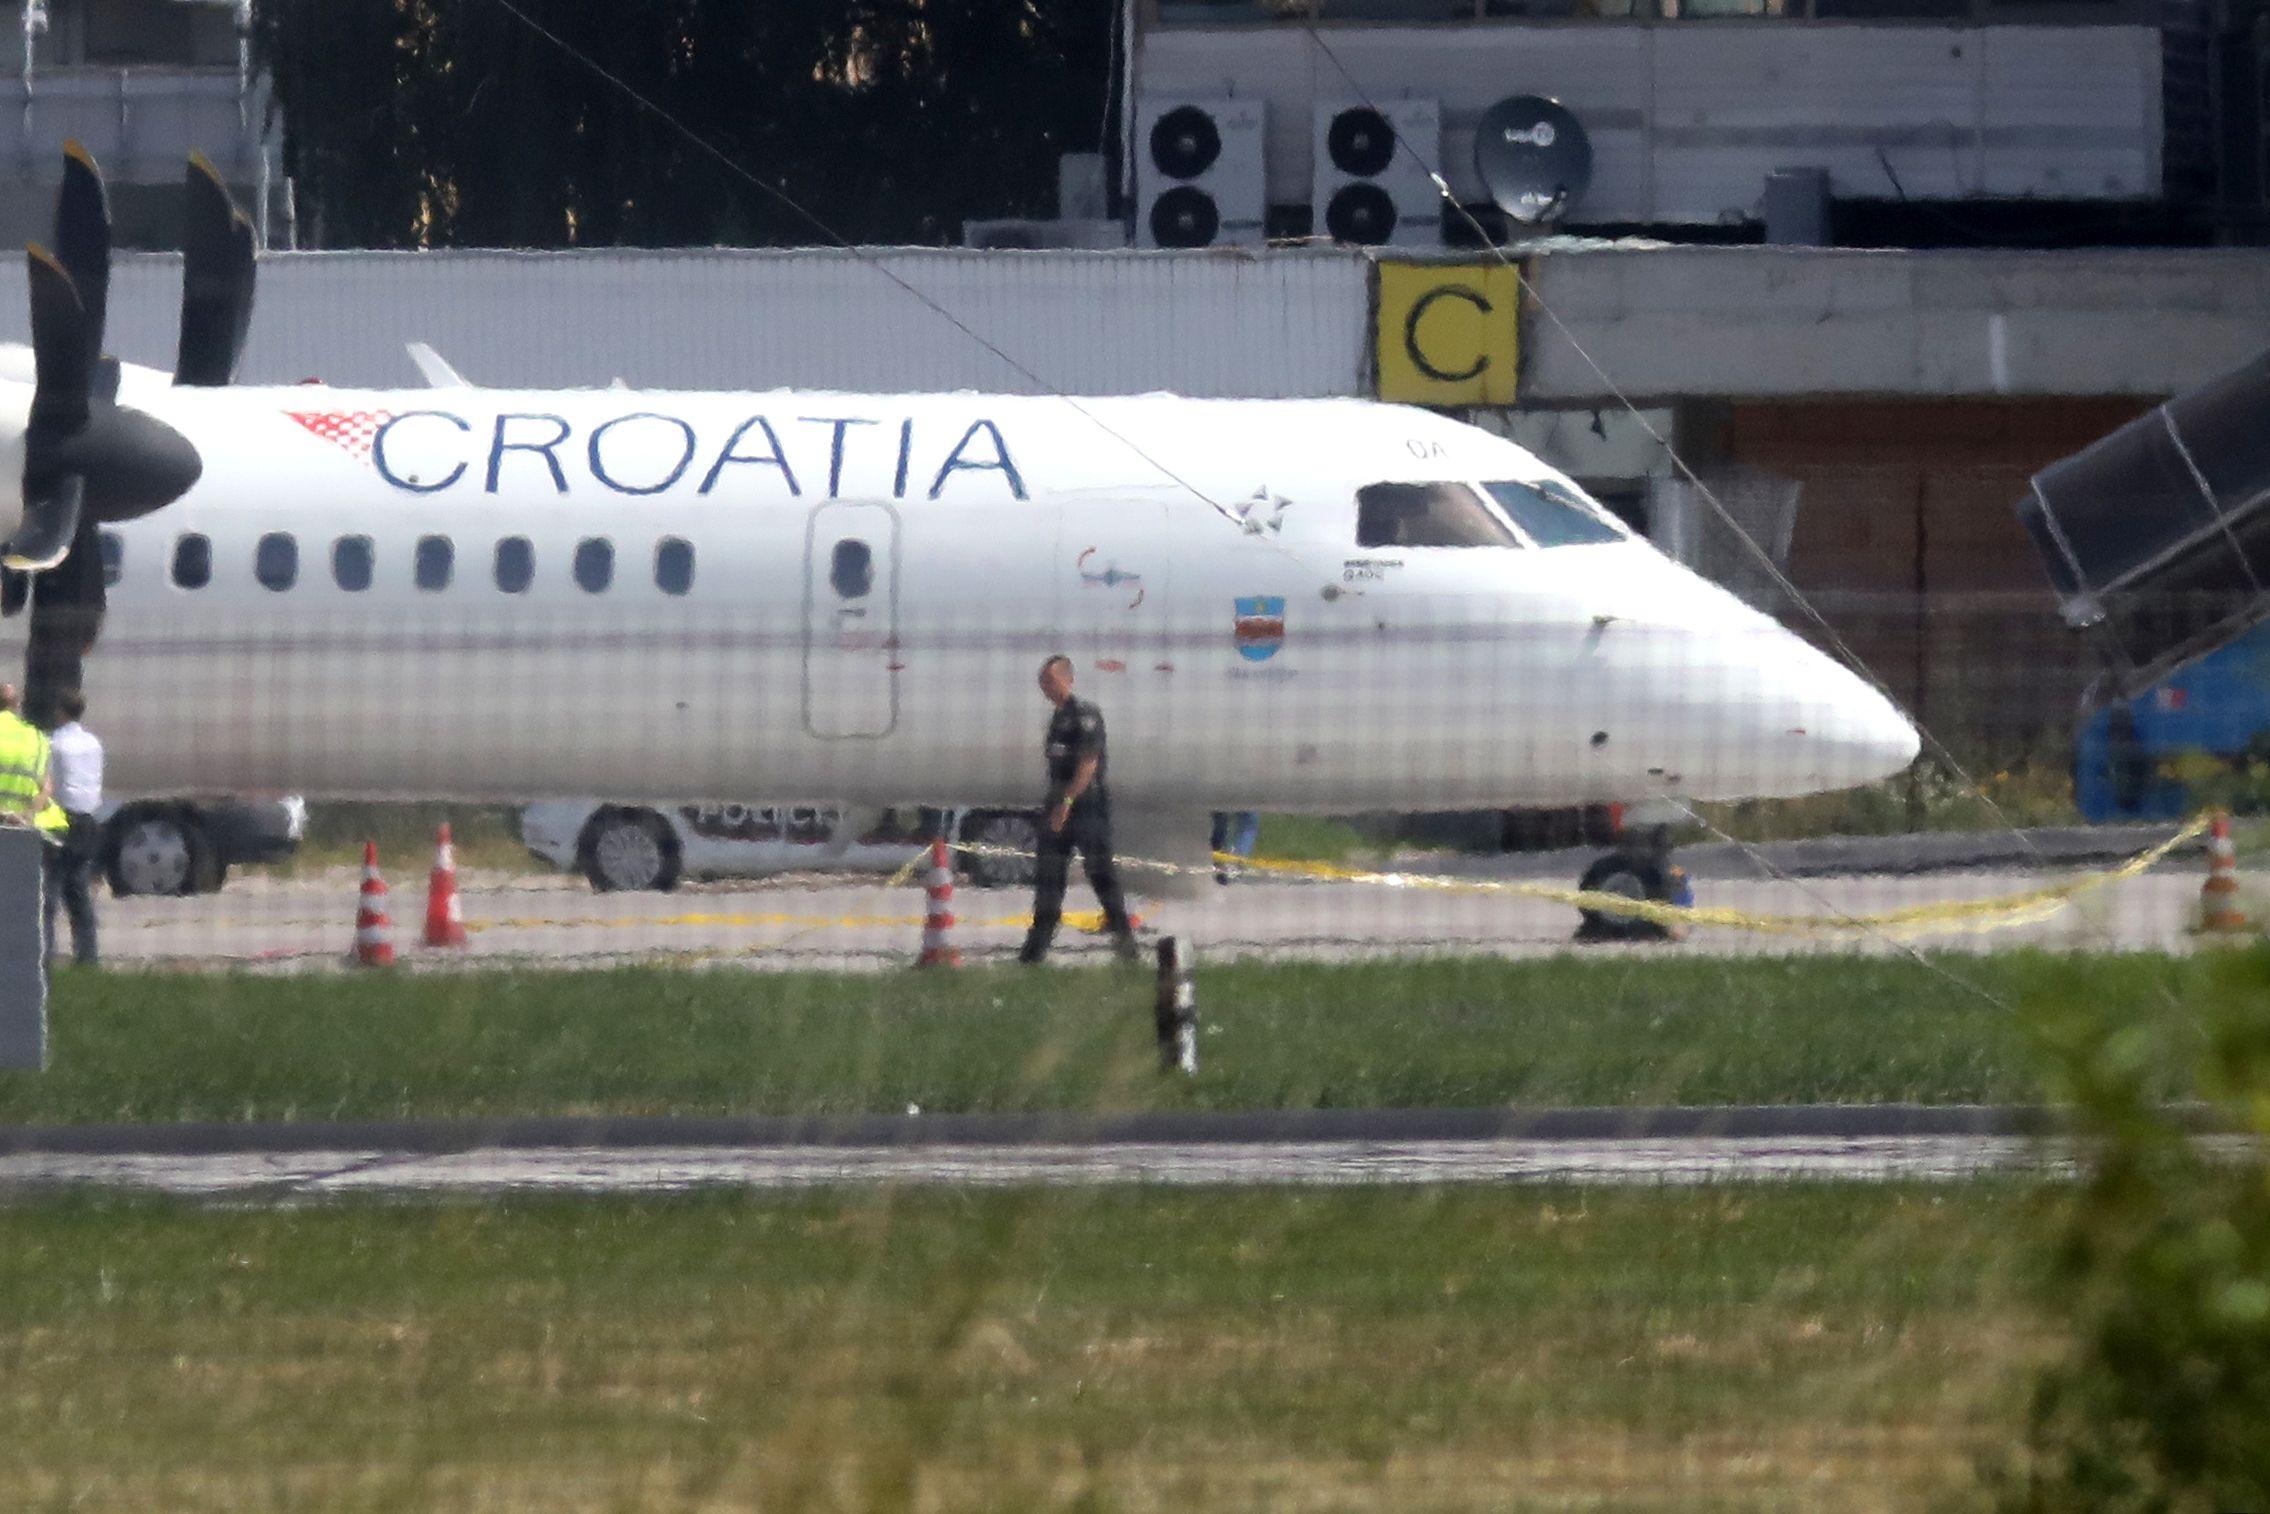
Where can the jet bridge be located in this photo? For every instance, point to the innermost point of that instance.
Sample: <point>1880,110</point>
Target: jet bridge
<point>2157,541</point>
<point>2157,537</point>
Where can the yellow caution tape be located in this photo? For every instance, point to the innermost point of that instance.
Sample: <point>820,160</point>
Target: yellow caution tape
<point>906,872</point>
<point>2027,906</point>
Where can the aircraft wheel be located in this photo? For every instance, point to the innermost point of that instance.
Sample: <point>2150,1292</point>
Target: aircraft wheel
<point>629,851</point>
<point>1632,878</point>
<point>1013,830</point>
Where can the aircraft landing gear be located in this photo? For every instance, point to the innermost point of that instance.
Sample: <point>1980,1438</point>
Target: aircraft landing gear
<point>1639,868</point>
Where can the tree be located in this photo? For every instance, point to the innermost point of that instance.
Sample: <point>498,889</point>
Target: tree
<point>430,123</point>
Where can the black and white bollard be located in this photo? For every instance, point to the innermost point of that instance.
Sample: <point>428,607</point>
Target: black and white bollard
<point>1177,1008</point>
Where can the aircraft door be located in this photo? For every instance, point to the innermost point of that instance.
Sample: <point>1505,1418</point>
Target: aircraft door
<point>851,601</point>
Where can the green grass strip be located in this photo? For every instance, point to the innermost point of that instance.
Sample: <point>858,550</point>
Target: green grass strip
<point>1801,1347</point>
<point>1653,1029</point>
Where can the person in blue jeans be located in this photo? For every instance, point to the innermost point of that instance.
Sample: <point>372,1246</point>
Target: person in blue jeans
<point>1235,831</point>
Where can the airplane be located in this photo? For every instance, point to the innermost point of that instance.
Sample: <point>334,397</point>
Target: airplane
<point>502,595</point>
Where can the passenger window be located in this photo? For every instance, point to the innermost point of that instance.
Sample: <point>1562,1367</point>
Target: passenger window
<point>436,561</point>
<point>852,570</point>
<point>594,564</point>
<point>192,560</point>
<point>113,557</point>
<point>1427,515</point>
<point>1551,516</point>
<point>276,561</point>
<point>516,564</point>
<point>352,558</point>
<point>674,565</point>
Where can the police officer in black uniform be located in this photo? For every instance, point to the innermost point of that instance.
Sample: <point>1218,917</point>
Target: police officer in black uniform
<point>1078,815</point>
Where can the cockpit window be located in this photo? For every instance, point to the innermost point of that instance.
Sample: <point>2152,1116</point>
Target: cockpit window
<point>1550,515</point>
<point>1427,515</point>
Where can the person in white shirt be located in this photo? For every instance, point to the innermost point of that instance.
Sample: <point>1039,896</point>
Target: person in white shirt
<point>75,767</point>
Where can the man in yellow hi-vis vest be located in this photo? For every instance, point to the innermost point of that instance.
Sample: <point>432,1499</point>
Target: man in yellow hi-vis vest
<point>27,796</point>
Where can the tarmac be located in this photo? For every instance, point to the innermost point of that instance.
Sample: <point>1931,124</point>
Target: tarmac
<point>306,923</point>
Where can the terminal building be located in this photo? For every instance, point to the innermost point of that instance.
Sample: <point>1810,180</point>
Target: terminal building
<point>1865,265</point>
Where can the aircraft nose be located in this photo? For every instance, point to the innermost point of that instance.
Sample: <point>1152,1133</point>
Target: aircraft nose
<point>1857,735</point>
<point>1815,725</point>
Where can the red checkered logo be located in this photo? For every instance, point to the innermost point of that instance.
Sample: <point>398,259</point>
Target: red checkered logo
<point>351,431</point>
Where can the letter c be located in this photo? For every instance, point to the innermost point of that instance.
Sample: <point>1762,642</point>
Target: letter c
<point>1419,309</point>
<point>378,451</point>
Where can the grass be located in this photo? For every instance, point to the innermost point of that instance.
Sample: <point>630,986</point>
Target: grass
<point>1930,798</point>
<point>1764,1347</point>
<point>484,837</point>
<point>1314,838</point>
<point>1276,1036</point>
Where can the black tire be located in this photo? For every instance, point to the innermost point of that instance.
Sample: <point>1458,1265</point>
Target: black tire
<point>1010,828</point>
<point>1634,878</point>
<point>628,851</point>
<point>159,850</point>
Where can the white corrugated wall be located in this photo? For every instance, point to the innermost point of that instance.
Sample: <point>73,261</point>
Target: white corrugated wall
<point>1214,324</point>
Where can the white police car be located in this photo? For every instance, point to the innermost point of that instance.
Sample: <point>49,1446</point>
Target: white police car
<point>624,846</point>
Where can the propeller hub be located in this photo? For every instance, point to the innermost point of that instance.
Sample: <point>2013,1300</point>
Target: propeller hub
<point>133,463</point>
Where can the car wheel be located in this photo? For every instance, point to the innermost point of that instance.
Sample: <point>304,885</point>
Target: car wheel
<point>158,852</point>
<point>1012,831</point>
<point>627,851</point>
<point>1630,878</point>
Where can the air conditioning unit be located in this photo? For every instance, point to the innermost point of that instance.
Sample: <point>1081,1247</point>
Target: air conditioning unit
<point>1198,180</point>
<point>1371,185</point>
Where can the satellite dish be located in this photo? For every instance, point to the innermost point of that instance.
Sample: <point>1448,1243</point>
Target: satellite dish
<point>1533,157</point>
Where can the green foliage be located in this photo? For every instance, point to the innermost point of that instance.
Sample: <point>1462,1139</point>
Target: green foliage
<point>485,836</point>
<point>1928,798</point>
<point>2240,783</point>
<point>432,123</point>
<point>2163,1401</point>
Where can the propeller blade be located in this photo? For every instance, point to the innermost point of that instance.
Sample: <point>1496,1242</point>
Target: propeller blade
<point>216,281</point>
<point>67,611</point>
<point>51,521</point>
<point>15,588</point>
<point>82,238</point>
<point>62,357</point>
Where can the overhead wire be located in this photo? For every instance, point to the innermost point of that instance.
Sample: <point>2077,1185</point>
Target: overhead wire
<point>1780,579</point>
<point>866,257</point>
<point>1434,175</point>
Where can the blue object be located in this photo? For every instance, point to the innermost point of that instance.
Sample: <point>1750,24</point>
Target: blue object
<point>1235,831</point>
<point>2217,705</point>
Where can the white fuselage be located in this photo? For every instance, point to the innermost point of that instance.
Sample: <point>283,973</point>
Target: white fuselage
<point>873,583</point>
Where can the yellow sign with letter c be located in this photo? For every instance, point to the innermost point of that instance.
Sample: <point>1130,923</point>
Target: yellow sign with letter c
<point>1448,333</point>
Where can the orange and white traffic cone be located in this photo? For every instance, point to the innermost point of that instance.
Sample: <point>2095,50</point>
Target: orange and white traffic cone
<point>374,932</point>
<point>445,916</point>
<point>2219,909</point>
<point>938,914</point>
